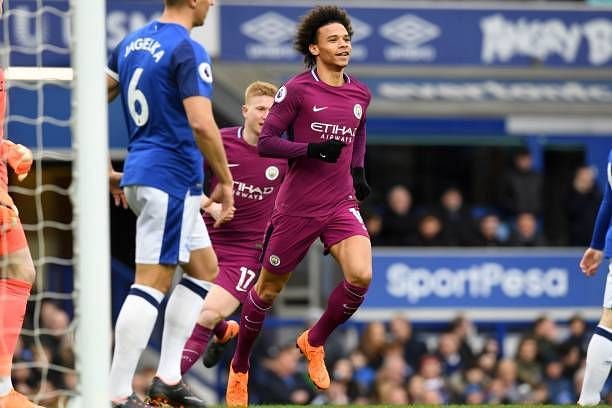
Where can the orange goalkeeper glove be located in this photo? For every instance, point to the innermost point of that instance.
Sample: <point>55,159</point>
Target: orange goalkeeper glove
<point>18,157</point>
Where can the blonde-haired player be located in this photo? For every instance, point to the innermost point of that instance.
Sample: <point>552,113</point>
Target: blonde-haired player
<point>238,243</point>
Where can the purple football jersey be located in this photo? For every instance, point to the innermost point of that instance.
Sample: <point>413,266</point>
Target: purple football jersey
<point>311,111</point>
<point>256,184</point>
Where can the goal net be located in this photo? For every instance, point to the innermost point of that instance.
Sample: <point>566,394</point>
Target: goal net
<point>68,315</point>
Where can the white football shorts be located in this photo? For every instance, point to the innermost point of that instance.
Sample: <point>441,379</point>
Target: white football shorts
<point>167,228</point>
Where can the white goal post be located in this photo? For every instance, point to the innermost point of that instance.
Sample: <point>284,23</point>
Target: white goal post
<point>91,202</point>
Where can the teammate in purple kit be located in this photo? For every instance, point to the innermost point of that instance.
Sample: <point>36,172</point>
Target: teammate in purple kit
<point>238,242</point>
<point>323,111</point>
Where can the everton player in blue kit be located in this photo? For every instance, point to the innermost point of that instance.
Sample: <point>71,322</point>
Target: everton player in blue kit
<point>165,81</point>
<point>599,353</point>
<point>323,111</point>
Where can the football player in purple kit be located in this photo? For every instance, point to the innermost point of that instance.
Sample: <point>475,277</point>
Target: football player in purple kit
<point>323,111</point>
<point>238,243</point>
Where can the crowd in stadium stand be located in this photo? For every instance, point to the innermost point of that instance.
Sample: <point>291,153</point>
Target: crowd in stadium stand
<point>515,220</point>
<point>385,363</point>
<point>393,364</point>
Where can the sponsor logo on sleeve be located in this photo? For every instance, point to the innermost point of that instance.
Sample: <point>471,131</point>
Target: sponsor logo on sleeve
<point>280,94</point>
<point>205,71</point>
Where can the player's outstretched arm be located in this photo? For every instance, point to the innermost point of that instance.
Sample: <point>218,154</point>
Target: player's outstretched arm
<point>208,138</point>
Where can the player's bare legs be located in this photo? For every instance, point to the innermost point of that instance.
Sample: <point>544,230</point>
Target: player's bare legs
<point>218,305</point>
<point>354,254</point>
<point>258,302</point>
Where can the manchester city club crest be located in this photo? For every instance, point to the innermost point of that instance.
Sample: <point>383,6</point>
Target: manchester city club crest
<point>274,260</point>
<point>272,173</point>
<point>357,111</point>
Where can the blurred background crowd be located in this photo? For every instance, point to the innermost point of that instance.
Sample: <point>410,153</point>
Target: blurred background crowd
<point>513,216</point>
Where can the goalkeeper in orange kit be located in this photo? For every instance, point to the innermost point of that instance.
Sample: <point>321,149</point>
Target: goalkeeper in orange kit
<point>16,267</point>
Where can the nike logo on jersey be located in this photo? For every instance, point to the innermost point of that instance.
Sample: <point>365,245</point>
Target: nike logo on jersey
<point>233,165</point>
<point>318,108</point>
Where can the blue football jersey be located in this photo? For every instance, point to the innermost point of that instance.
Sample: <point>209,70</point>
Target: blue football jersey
<point>602,233</point>
<point>157,67</point>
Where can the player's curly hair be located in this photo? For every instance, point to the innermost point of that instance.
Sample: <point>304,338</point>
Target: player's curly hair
<point>310,24</point>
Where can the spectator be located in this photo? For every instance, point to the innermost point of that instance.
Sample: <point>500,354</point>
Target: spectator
<point>545,333</point>
<point>429,232</point>
<point>364,375</point>
<point>394,368</point>
<point>464,329</point>
<point>391,394</point>
<point>487,362</point>
<point>486,235</point>
<point>280,382</point>
<point>473,377</point>
<point>448,353</point>
<point>456,219</point>
<point>578,336</point>
<point>521,187</point>
<point>416,389</point>
<point>571,360</point>
<point>528,369</point>
<point>434,381</point>
<point>402,333</point>
<point>374,224</point>
<point>581,206</point>
<point>398,225</point>
<point>525,232</point>
<point>559,387</point>
<point>372,344</point>
<point>343,374</point>
<point>507,390</point>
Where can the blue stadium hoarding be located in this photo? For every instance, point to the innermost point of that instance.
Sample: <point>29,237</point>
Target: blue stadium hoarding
<point>496,284</point>
<point>29,26</point>
<point>556,37</point>
<point>487,36</point>
<point>501,36</point>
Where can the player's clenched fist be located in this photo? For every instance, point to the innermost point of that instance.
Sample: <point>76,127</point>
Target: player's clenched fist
<point>18,157</point>
<point>327,151</point>
<point>222,194</point>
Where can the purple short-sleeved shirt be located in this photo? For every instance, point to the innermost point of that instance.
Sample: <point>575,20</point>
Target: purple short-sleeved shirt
<point>256,184</point>
<point>311,111</point>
